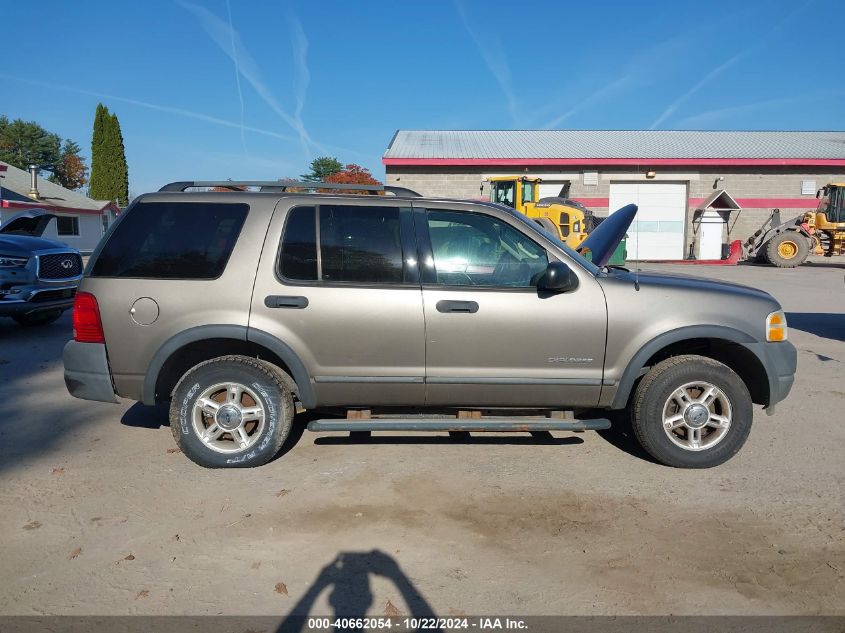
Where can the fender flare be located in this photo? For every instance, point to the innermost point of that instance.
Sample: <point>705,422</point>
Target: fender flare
<point>638,362</point>
<point>234,332</point>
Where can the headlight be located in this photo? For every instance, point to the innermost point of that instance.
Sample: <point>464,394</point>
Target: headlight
<point>776,326</point>
<point>12,262</point>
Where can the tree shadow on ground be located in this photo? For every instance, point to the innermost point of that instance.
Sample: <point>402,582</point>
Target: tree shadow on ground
<point>823,324</point>
<point>38,412</point>
<point>348,580</point>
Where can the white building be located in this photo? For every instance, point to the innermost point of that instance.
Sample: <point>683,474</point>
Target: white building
<point>80,221</point>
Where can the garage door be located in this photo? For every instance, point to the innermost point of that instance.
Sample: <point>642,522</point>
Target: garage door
<point>658,230</point>
<point>551,188</point>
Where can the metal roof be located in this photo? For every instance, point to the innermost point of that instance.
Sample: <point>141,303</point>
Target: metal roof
<point>605,144</point>
<point>14,186</point>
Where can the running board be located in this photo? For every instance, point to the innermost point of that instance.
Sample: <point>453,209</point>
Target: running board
<point>499,425</point>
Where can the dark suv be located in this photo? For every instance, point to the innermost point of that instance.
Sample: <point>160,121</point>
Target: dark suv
<point>408,313</point>
<point>38,277</point>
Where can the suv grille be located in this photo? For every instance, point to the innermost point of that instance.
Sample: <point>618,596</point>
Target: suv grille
<point>59,266</point>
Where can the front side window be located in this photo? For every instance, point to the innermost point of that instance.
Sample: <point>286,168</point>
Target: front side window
<point>356,244</point>
<point>67,225</point>
<point>471,249</point>
<point>172,240</point>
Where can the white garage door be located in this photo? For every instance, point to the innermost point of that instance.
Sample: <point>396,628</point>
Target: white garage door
<point>658,229</point>
<point>551,188</point>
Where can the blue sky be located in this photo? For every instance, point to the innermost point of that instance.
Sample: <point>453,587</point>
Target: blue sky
<point>209,89</point>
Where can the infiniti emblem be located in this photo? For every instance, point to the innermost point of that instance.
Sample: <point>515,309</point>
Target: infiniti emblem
<point>67,264</point>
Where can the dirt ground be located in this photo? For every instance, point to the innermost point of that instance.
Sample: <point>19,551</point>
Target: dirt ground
<point>100,515</point>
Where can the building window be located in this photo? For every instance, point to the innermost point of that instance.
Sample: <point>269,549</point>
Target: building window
<point>591,178</point>
<point>67,225</point>
<point>808,187</point>
<point>105,219</point>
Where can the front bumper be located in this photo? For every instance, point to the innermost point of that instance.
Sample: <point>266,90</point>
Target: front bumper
<point>780,361</point>
<point>87,373</point>
<point>34,300</point>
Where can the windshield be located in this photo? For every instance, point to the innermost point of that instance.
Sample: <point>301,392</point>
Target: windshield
<point>503,192</point>
<point>590,266</point>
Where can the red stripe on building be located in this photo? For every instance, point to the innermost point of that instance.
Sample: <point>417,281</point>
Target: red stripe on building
<point>644,162</point>
<point>15,204</point>
<point>745,203</point>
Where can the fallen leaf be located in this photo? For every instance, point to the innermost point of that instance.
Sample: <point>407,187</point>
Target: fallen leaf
<point>75,553</point>
<point>32,525</point>
<point>145,593</point>
<point>282,492</point>
<point>282,588</point>
<point>130,557</point>
<point>390,610</point>
<point>58,471</point>
<point>170,451</point>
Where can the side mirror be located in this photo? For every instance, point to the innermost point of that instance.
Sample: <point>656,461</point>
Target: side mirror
<point>557,278</point>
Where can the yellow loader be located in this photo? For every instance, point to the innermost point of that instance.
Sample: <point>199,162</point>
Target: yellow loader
<point>570,220</point>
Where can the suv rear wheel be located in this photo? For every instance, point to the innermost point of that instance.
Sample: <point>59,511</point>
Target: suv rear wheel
<point>231,411</point>
<point>691,412</point>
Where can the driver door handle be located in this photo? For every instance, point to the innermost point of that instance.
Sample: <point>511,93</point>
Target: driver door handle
<point>467,307</point>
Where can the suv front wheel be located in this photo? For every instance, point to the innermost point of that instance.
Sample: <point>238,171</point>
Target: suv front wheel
<point>691,412</point>
<point>232,411</point>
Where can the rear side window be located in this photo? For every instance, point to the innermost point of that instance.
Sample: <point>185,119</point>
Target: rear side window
<point>356,244</point>
<point>298,259</point>
<point>172,240</point>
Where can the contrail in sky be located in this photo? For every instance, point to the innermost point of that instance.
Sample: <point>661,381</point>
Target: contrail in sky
<point>237,75</point>
<point>190,114</point>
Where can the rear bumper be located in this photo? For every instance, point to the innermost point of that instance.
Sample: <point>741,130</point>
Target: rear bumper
<point>87,374</point>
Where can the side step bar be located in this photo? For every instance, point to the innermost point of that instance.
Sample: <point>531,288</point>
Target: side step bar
<point>515,425</point>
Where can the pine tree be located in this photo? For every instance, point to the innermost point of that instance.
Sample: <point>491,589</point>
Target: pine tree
<point>109,171</point>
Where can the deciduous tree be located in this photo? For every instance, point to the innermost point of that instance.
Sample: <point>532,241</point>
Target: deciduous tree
<point>352,174</point>
<point>25,143</point>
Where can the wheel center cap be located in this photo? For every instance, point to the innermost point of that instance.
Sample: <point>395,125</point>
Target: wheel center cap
<point>228,417</point>
<point>696,416</point>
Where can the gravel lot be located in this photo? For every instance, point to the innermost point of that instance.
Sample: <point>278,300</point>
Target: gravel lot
<point>102,516</point>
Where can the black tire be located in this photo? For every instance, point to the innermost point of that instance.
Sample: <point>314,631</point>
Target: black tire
<point>787,250</point>
<point>263,387</point>
<point>34,319</point>
<point>652,398</point>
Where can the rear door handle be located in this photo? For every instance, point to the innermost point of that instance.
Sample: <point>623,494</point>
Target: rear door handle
<point>468,307</point>
<point>279,301</point>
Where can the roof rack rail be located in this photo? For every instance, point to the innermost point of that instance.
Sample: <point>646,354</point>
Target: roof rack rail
<point>281,186</point>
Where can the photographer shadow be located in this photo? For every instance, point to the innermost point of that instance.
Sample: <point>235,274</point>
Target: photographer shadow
<point>347,578</point>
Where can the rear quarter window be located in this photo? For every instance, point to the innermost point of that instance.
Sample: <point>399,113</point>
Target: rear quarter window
<point>172,240</point>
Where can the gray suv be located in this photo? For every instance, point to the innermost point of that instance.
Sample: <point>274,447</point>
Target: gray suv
<point>38,277</point>
<point>398,312</point>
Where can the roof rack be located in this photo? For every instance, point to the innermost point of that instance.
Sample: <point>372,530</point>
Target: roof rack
<point>281,186</point>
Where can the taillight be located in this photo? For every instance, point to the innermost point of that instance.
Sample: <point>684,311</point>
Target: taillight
<point>87,326</point>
